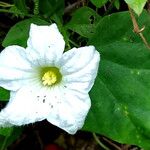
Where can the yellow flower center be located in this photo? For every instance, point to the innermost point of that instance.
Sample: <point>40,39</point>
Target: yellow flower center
<point>50,76</point>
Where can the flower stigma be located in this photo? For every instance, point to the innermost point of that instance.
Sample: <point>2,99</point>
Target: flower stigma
<point>50,76</point>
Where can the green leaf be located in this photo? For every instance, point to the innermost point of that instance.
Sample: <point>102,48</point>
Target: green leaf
<point>117,4</point>
<point>121,94</point>
<point>99,3</point>
<point>136,5</point>
<point>8,135</point>
<point>16,12</point>
<point>21,32</point>
<point>84,21</point>
<point>21,5</point>
<point>4,94</point>
<point>51,7</point>
<point>6,131</point>
<point>4,135</point>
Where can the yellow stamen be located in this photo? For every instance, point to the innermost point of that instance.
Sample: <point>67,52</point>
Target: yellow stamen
<point>49,78</point>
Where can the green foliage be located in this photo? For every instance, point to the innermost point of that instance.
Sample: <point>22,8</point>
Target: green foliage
<point>36,7</point>
<point>6,131</point>
<point>117,4</point>
<point>120,97</point>
<point>136,5</point>
<point>21,32</point>
<point>16,12</point>
<point>8,135</point>
<point>50,8</point>
<point>84,21</point>
<point>4,94</point>
<point>21,5</point>
<point>99,3</point>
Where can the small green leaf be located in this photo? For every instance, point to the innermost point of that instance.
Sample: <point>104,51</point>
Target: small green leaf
<point>117,4</point>
<point>17,12</point>
<point>50,7</point>
<point>19,33</point>
<point>6,131</point>
<point>121,94</point>
<point>8,135</point>
<point>84,21</point>
<point>21,5</point>
<point>136,5</point>
<point>4,94</point>
<point>99,3</point>
<point>4,135</point>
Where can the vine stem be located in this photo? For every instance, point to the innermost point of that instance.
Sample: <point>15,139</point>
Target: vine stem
<point>111,143</point>
<point>72,42</point>
<point>99,142</point>
<point>71,7</point>
<point>36,7</point>
<point>107,10</point>
<point>39,140</point>
<point>137,29</point>
<point>12,12</point>
<point>4,143</point>
<point>3,4</point>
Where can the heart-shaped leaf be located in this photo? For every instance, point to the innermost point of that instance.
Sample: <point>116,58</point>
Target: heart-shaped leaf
<point>121,94</point>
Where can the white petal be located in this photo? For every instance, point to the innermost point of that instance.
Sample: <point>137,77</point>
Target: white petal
<point>83,79</point>
<point>46,42</point>
<point>76,59</point>
<point>64,108</point>
<point>71,110</point>
<point>27,105</point>
<point>3,121</point>
<point>14,67</point>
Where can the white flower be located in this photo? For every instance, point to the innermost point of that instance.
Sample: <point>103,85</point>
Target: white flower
<point>46,83</point>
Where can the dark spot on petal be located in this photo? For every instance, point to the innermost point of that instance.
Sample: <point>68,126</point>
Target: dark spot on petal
<point>43,100</point>
<point>51,106</point>
<point>44,95</point>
